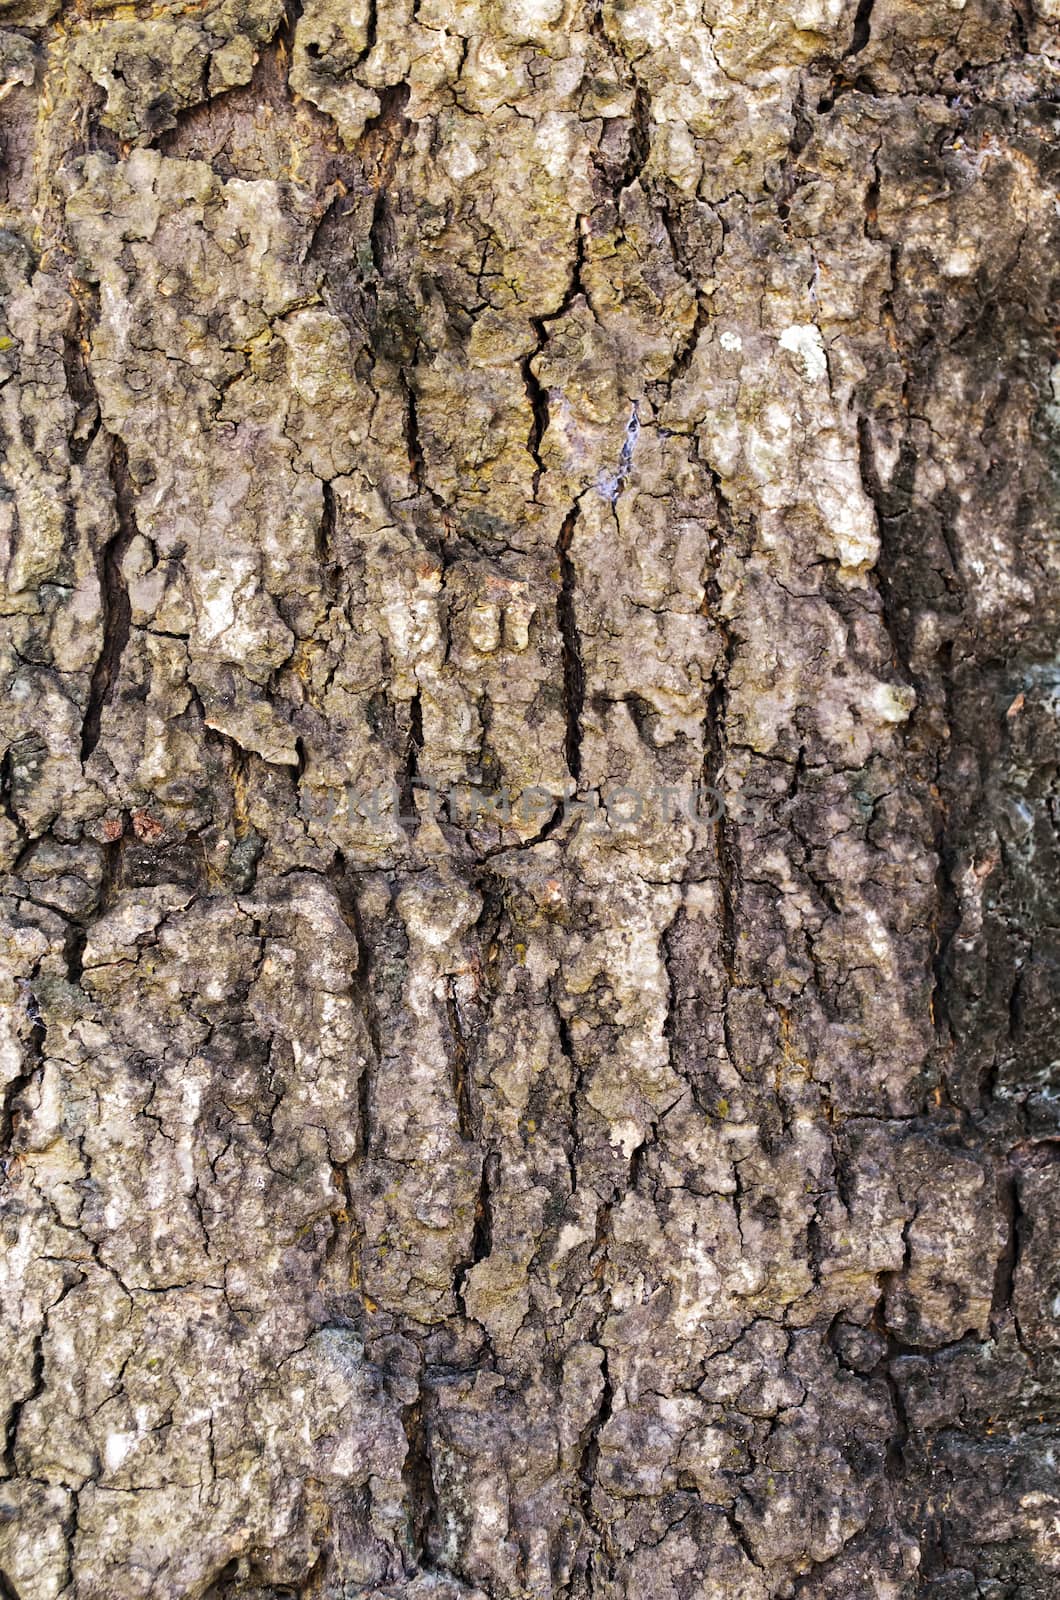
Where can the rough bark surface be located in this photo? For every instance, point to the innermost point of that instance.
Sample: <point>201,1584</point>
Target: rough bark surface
<point>530,394</point>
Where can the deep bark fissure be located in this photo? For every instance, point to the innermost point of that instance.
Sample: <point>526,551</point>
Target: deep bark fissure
<point>114,600</point>
<point>573,669</point>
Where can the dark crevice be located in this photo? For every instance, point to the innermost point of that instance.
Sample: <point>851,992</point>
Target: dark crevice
<point>842,84</point>
<point>187,128</point>
<point>15,1415</point>
<point>364,1112</point>
<point>114,600</point>
<point>871,228</point>
<point>590,1452</point>
<point>739,1534</point>
<point>110,883</point>
<point>325,543</point>
<point>1022,23</point>
<point>33,1063</point>
<point>410,767</point>
<point>418,1478</point>
<point>538,399</point>
<point>686,351</point>
<point>482,1231</point>
<point>639,137</point>
<point>78,380</point>
<point>459,1063</point>
<point>886,504</point>
<point>862,28</point>
<point>381,145</point>
<point>801,134</point>
<point>894,1456</point>
<point>714,746</point>
<point>382,235</point>
<point>371,30</point>
<point>418,466</point>
<point>413,445</point>
<point>7,797</point>
<point>36,1388</point>
<point>575,286</point>
<point>566,1045</point>
<point>573,670</point>
<point>1008,1260</point>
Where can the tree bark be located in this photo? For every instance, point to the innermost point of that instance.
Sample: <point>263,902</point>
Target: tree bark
<point>529,800</point>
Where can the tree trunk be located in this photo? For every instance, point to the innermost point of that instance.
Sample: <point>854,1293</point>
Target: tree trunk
<point>530,774</point>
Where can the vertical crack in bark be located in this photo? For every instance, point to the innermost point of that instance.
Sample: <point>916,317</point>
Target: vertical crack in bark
<point>418,465</point>
<point>110,883</point>
<point>325,542</point>
<point>364,993</point>
<point>410,766</point>
<point>33,1064</point>
<point>114,600</point>
<point>1008,1259</point>
<point>639,137</point>
<point>459,1064</point>
<point>482,1226</point>
<point>892,504</point>
<point>573,670</point>
<point>37,1380</point>
<point>739,1533</point>
<point>894,1457</point>
<point>78,378</point>
<point>538,399</point>
<point>7,798</point>
<point>686,351</point>
<point>726,844</point>
<point>566,1044</point>
<point>417,1475</point>
<point>371,31</point>
<point>862,28</point>
<point>590,1453</point>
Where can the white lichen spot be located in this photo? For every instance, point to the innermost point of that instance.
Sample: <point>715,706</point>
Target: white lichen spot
<point>627,1136</point>
<point>517,618</point>
<point>531,19</point>
<point>484,628</point>
<point>437,912</point>
<point>116,1449</point>
<point>730,341</point>
<point>893,702</point>
<point>570,1237</point>
<point>553,141</point>
<point>959,263</point>
<point>876,936</point>
<point>817,16</point>
<point>804,341</point>
<point>460,162</point>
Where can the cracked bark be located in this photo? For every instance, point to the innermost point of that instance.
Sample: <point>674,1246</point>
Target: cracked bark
<point>510,1201</point>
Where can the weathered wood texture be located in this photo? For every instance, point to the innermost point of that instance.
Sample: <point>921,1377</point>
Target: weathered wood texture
<point>530,395</point>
